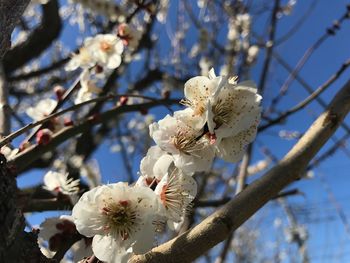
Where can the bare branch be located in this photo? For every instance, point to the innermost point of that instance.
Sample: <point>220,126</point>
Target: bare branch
<point>25,158</point>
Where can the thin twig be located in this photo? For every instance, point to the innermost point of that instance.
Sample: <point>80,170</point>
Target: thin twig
<point>330,31</point>
<point>269,47</point>
<point>309,99</point>
<point>29,126</point>
<point>23,159</point>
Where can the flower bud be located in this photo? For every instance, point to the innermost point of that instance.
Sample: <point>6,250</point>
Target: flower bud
<point>43,137</point>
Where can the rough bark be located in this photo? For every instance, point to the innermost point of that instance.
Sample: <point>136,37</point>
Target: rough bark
<point>16,245</point>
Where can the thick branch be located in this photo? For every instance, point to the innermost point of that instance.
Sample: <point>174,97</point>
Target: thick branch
<point>40,39</point>
<point>10,13</point>
<point>4,107</point>
<point>219,225</point>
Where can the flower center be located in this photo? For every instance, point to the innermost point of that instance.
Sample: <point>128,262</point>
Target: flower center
<point>121,218</point>
<point>184,142</point>
<point>222,112</point>
<point>105,46</point>
<point>174,196</point>
<point>197,106</point>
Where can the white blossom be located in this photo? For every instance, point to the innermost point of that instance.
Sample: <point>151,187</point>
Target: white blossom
<point>162,13</point>
<point>294,233</point>
<point>104,50</point>
<point>88,88</point>
<point>129,35</point>
<point>58,230</point>
<point>107,50</point>
<point>9,152</point>
<point>119,218</point>
<point>252,54</point>
<point>107,8</point>
<point>176,191</point>
<point>84,59</point>
<point>91,171</point>
<point>258,167</point>
<point>179,137</point>
<point>155,164</point>
<point>233,108</point>
<point>42,109</point>
<point>59,182</point>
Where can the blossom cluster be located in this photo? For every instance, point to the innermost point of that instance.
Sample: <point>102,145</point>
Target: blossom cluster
<point>220,120</point>
<point>102,52</point>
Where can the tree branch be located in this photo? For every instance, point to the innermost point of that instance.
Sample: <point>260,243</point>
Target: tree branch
<point>40,39</point>
<point>10,13</point>
<point>25,158</point>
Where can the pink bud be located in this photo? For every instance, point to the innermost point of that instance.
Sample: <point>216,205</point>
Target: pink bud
<point>144,111</point>
<point>24,145</point>
<point>43,137</point>
<point>68,122</point>
<point>166,94</point>
<point>123,100</point>
<point>59,91</point>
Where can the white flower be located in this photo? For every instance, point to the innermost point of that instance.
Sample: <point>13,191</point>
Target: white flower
<point>258,167</point>
<point>91,172</point>
<point>198,91</point>
<point>59,182</point>
<point>9,152</point>
<point>107,50</point>
<point>107,8</point>
<point>104,50</point>
<point>176,191</point>
<point>119,218</point>
<point>177,136</point>
<point>88,88</point>
<point>84,59</point>
<point>233,108</point>
<point>42,109</point>
<point>162,11</point>
<point>295,233</point>
<point>244,22</point>
<point>155,164</point>
<point>58,230</point>
<point>129,35</point>
<point>230,112</point>
<point>54,225</point>
<point>252,54</point>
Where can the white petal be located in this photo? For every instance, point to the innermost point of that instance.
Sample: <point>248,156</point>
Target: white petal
<point>199,89</point>
<point>80,250</point>
<point>212,74</point>
<point>87,214</point>
<point>106,249</point>
<point>161,166</point>
<point>231,149</point>
<point>188,117</point>
<point>114,61</point>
